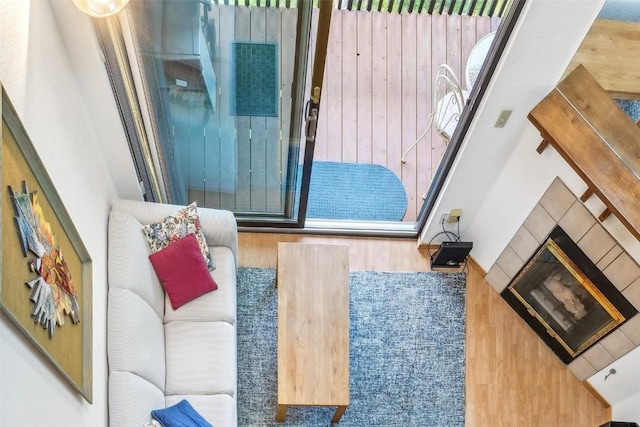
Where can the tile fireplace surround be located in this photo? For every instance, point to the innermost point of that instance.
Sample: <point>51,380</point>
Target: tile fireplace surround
<point>559,206</point>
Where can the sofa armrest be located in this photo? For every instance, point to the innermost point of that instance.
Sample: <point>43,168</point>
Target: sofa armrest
<point>219,226</point>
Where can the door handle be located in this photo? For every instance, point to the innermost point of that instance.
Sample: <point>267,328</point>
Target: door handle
<point>311,121</point>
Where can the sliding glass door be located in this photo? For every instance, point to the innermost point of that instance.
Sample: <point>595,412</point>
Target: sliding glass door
<point>224,93</point>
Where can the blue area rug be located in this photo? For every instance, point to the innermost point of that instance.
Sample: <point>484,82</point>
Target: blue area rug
<point>630,107</point>
<point>407,334</point>
<point>354,191</point>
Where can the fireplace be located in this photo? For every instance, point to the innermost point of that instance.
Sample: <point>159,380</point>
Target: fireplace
<point>565,298</point>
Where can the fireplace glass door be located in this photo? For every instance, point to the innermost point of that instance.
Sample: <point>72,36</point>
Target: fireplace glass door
<point>566,298</point>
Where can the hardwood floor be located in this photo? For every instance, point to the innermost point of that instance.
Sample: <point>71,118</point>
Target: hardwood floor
<point>512,378</point>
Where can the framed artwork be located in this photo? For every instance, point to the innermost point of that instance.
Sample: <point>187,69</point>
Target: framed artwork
<point>45,286</point>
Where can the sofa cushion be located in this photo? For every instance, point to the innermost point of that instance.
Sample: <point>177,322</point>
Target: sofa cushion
<point>173,227</point>
<point>218,305</point>
<point>219,409</point>
<point>131,399</point>
<point>128,265</point>
<point>183,271</point>
<point>158,356</point>
<point>135,338</point>
<point>201,358</point>
<point>181,414</point>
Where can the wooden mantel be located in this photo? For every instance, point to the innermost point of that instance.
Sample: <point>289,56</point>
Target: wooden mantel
<point>597,139</point>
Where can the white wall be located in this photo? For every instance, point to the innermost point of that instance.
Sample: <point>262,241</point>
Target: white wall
<point>51,69</point>
<point>499,176</point>
<point>627,410</point>
<point>621,387</point>
<point>493,184</point>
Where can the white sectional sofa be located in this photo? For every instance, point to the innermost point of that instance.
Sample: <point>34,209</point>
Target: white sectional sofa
<point>158,356</point>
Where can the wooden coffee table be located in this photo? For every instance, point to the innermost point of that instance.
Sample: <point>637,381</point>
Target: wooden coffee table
<point>313,327</point>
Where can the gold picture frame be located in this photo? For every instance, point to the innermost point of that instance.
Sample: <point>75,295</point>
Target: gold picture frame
<point>67,340</point>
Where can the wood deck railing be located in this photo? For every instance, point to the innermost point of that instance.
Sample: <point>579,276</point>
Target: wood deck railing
<point>491,8</point>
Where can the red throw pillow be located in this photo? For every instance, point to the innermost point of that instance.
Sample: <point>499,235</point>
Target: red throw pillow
<point>183,271</point>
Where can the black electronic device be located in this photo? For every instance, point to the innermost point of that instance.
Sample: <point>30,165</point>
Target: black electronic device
<point>451,254</point>
<point>619,424</point>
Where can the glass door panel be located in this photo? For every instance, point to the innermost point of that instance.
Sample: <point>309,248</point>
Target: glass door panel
<point>226,99</point>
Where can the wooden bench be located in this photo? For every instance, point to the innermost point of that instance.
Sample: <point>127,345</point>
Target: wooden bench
<point>597,139</point>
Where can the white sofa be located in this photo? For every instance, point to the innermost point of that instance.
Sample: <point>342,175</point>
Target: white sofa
<point>158,356</point>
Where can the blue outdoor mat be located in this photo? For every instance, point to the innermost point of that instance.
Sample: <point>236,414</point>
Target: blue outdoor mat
<point>255,79</point>
<point>354,191</point>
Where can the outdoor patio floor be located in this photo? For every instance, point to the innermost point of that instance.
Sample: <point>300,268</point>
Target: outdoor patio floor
<point>377,89</point>
<point>376,100</point>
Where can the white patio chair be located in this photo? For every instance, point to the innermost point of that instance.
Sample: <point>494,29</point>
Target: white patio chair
<point>448,100</point>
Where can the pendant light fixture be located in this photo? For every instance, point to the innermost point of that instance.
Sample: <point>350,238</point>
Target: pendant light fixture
<point>101,8</point>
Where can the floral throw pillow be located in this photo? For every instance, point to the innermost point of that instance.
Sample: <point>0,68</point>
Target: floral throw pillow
<point>174,227</point>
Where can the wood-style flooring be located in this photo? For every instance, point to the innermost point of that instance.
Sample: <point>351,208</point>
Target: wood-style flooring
<point>512,378</point>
